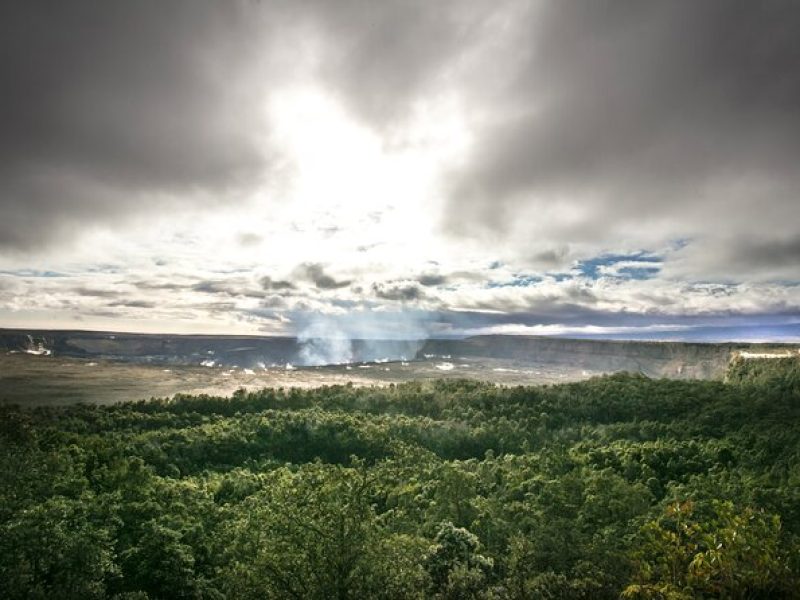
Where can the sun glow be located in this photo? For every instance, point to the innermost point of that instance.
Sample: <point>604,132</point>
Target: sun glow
<point>358,188</point>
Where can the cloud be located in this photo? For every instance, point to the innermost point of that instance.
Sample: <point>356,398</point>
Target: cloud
<point>554,163</point>
<point>384,57</point>
<point>315,273</point>
<point>249,239</point>
<point>395,291</point>
<point>96,293</point>
<point>118,109</point>
<point>269,284</point>
<point>431,280</point>
<point>158,285</point>
<point>785,252</point>
<point>739,259</point>
<point>210,287</point>
<point>228,287</point>
<point>551,258</point>
<point>133,304</point>
<point>127,109</point>
<point>636,123</point>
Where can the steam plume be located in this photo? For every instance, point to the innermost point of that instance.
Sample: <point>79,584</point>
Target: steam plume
<point>360,337</point>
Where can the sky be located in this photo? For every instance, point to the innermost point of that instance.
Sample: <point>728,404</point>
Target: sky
<point>402,169</point>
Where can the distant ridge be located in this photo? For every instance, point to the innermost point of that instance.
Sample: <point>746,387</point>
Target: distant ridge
<point>653,358</point>
<point>700,360</point>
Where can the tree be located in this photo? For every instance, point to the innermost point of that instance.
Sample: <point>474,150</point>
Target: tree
<point>56,549</point>
<point>731,552</point>
<point>315,534</point>
<point>457,568</point>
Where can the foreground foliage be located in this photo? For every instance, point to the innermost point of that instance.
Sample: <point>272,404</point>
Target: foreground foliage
<point>617,486</point>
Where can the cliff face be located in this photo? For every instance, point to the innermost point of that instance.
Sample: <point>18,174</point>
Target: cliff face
<point>780,370</point>
<point>209,350</point>
<point>177,349</point>
<point>655,359</point>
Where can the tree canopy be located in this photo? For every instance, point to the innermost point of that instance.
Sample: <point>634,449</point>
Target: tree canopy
<point>616,486</point>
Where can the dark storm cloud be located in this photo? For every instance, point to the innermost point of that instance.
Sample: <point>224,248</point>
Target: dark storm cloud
<point>387,54</point>
<point>118,108</point>
<point>629,113</point>
<point>551,257</point>
<point>760,259</point>
<point>108,107</point>
<point>606,121</point>
<point>770,253</point>
<point>315,273</point>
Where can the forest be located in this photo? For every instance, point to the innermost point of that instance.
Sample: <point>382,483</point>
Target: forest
<point>620,486</point>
